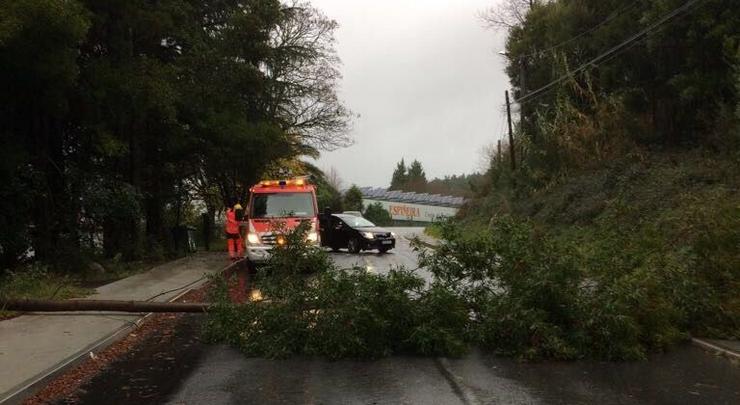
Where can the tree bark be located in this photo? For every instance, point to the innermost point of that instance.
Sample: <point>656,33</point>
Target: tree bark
<point>29,305</point>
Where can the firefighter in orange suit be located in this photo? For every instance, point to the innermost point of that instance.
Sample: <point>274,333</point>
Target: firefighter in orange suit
<point>233,236</point>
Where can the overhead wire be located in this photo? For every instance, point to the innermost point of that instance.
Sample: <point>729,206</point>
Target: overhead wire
<point>624,45</point>
<point>609,18</point>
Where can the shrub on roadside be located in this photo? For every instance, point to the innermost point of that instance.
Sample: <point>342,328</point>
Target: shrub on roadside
<point>521,287</point>
<point>535,296</point>
<point>36,281</point>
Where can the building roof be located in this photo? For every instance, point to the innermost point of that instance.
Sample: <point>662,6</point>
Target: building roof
<point>411,197</point>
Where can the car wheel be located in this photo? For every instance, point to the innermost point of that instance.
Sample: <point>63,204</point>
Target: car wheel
<point>353,246</point>
<point>334,248</point>
<point>383,250</point>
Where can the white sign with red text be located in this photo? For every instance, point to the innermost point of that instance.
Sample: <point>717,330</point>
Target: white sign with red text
<point>413,212</point>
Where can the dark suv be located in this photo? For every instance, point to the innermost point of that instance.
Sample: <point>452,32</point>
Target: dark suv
<point>354,233</point>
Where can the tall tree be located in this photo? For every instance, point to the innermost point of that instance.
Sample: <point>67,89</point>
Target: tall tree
<point>508,13</point>
<point>417,179</point>
<point>130,111</point>
<point>353,199</point>
<point>115,112</point>
<point>302,72</point>
<point>38,55</point>
<point>399,178</point>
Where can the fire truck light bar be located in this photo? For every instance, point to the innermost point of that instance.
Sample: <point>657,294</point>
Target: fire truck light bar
<point>282,183</point>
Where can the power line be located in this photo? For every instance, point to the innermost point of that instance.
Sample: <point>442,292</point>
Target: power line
<point>614,55</point>
<point>617,48</point>
<point>602,57</point>
<point>611,17</point>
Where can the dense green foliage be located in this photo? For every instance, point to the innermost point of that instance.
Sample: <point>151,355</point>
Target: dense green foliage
<point>314,308</point>
<point>411,178</point>
<point>378,215</point>
<point>675,85</point>
<point>116,115</point>
<point>398,179</point>
<point>627,177</point>
<point>644,217</point>
<point>464,185</point>
<point>537,296</point>
<point>510,286</point>
<point>352,199</point>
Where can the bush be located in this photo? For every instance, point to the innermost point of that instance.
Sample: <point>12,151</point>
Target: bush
<point>378,215</point>
<point>522,288</point>
<point>36,281</point>
<point>537,296</point>
<point>314,308</point>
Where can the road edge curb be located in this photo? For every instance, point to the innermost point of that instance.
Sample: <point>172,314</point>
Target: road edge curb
<point>31,386</point>
<point>421,242</point>
<point>730,354</point>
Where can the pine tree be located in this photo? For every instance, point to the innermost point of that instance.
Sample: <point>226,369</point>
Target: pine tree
<point>353,199</point>
<point>398,181</point>
<point>416,178</point>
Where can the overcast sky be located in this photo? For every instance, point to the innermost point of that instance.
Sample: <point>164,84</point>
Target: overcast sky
<point>427,81</point>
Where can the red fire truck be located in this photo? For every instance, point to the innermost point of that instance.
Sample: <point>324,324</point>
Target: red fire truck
<point>276,207</point>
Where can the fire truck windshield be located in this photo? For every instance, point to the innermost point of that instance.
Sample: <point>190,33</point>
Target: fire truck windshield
<point>282,205</point>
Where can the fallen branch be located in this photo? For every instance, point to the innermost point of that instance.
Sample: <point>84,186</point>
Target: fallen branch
<point>36,305</point>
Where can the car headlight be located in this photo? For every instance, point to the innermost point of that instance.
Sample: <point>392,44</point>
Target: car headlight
<point>368,235</point>
<point>312,237</point>
<point>393,234</point>
<point>253,239</point>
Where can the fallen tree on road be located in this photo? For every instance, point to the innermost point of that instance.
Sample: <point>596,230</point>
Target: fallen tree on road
<point>37,305</point>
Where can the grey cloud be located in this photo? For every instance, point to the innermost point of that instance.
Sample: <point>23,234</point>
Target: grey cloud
<point>426,80</point>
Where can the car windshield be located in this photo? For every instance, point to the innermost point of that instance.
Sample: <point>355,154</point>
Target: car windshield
<point>280,205</point>
<point>357,222</point>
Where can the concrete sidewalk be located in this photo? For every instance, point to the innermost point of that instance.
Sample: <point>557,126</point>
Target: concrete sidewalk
<point>33,346</point>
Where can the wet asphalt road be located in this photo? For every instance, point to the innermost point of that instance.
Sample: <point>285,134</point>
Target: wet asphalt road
<point>685,376</point>
<point>374,262</point>
<point>188,371</point>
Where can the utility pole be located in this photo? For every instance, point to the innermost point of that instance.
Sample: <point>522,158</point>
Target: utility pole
<point>511,132</point>
<point>523,116</point>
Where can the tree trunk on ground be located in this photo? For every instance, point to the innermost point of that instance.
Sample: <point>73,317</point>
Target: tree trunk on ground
<point>30,305</point>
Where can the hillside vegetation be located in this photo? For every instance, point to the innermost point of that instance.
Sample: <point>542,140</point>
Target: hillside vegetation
<point>624,188</point>
<point>663,227</point>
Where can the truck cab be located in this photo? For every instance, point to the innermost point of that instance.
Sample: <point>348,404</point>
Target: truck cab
<point>276,207</point>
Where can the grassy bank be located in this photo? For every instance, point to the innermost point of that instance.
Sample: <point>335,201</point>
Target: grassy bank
<point>37,281</point>
<point>660,231</point>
